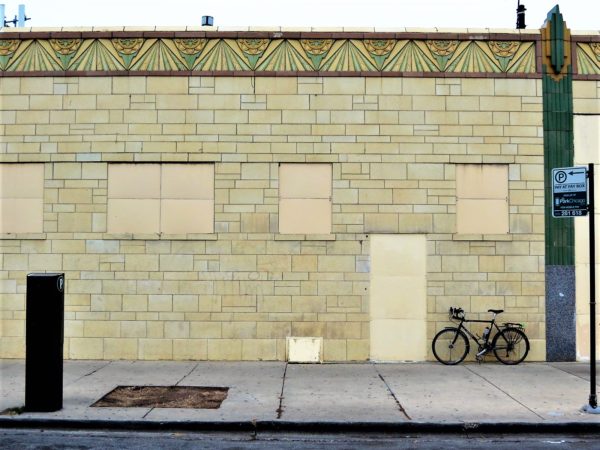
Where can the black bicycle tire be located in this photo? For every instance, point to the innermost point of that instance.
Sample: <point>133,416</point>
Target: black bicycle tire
<point>496,350</point>
<point>461,335</point>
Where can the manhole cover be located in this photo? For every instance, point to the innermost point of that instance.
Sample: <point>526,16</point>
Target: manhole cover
<point>164,397</point>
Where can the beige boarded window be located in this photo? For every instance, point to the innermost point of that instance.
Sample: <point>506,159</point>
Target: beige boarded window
<point>305,198</point>
<point>482,199</point>
<point>21,198</point>
<point>161,198</point>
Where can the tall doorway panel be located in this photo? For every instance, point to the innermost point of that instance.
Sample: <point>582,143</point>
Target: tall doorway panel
<point>587,150</point>
<point>398,298</point>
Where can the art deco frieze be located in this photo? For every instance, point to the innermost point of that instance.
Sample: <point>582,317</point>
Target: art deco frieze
<point>139,54</point>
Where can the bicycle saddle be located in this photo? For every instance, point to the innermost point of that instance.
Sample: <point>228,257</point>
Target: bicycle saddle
<point>495,311</point>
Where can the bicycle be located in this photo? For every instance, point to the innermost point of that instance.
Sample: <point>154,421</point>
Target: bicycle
<point>510,344</point>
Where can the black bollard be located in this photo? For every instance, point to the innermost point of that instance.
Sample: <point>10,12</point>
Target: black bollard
<point>44,342</point>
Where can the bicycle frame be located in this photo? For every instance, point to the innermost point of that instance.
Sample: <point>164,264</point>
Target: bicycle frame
<point>491,323</point>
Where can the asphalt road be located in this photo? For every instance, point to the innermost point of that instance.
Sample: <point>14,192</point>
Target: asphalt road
<point>13,439</point>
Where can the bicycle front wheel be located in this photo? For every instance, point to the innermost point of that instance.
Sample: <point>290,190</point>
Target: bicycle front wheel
<point>510,346</point>
<point>450,346</point>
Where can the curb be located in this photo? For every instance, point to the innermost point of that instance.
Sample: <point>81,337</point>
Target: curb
<point>308,427</point>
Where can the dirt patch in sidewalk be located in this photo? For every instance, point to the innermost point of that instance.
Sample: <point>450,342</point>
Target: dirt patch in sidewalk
<point>164,397</point>
<point>13,411</point>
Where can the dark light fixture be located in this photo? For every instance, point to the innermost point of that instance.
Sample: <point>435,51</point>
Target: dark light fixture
<point>207,21</point>
<point>521,16</point>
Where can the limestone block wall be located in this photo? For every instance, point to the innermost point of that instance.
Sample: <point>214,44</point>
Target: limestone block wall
<point>393,145</point>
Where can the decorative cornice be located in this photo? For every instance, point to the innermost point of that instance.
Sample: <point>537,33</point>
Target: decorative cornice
<point>116,52</point>
<point>258,52</point>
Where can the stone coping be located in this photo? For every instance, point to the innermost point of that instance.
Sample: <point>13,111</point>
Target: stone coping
<point>107,33</point>
<point>280,29</point>
<point>174,29</point>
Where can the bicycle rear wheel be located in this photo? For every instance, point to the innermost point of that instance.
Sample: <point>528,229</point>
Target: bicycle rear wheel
<point>510,346</point>
<point>450,346</point>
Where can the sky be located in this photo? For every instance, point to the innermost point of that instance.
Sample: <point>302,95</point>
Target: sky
<point>579,14</point>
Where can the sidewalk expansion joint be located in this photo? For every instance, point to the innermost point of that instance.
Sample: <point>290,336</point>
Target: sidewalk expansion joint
<point>400,407</point>
<point>148,412</point>
<point>176,384</point>
<point>504,392</point>
<point>93,371</point>
<point>187,374</point>
<point>569,373</point>
<point>280,409</point>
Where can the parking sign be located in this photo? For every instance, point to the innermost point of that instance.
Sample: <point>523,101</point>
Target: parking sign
<point>569,192</point>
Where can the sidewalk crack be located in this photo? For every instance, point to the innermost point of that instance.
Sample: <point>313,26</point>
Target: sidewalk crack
<point>280,409</point>
<point>400,407</point>
<point>503,391</point>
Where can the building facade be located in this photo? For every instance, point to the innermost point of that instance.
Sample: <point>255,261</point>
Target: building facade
<point>210,194</point>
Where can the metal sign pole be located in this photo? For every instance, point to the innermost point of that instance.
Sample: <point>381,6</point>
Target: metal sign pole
<point>573,196</point>
<point>593,401</point>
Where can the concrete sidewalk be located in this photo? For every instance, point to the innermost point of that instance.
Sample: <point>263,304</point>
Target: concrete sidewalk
<point>369,394</point>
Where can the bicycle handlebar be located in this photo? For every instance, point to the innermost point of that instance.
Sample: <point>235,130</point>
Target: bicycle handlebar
<point>456,313</point>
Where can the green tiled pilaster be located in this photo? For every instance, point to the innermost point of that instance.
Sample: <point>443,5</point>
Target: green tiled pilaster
<point>558,152</point>
<point>557,91</point>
